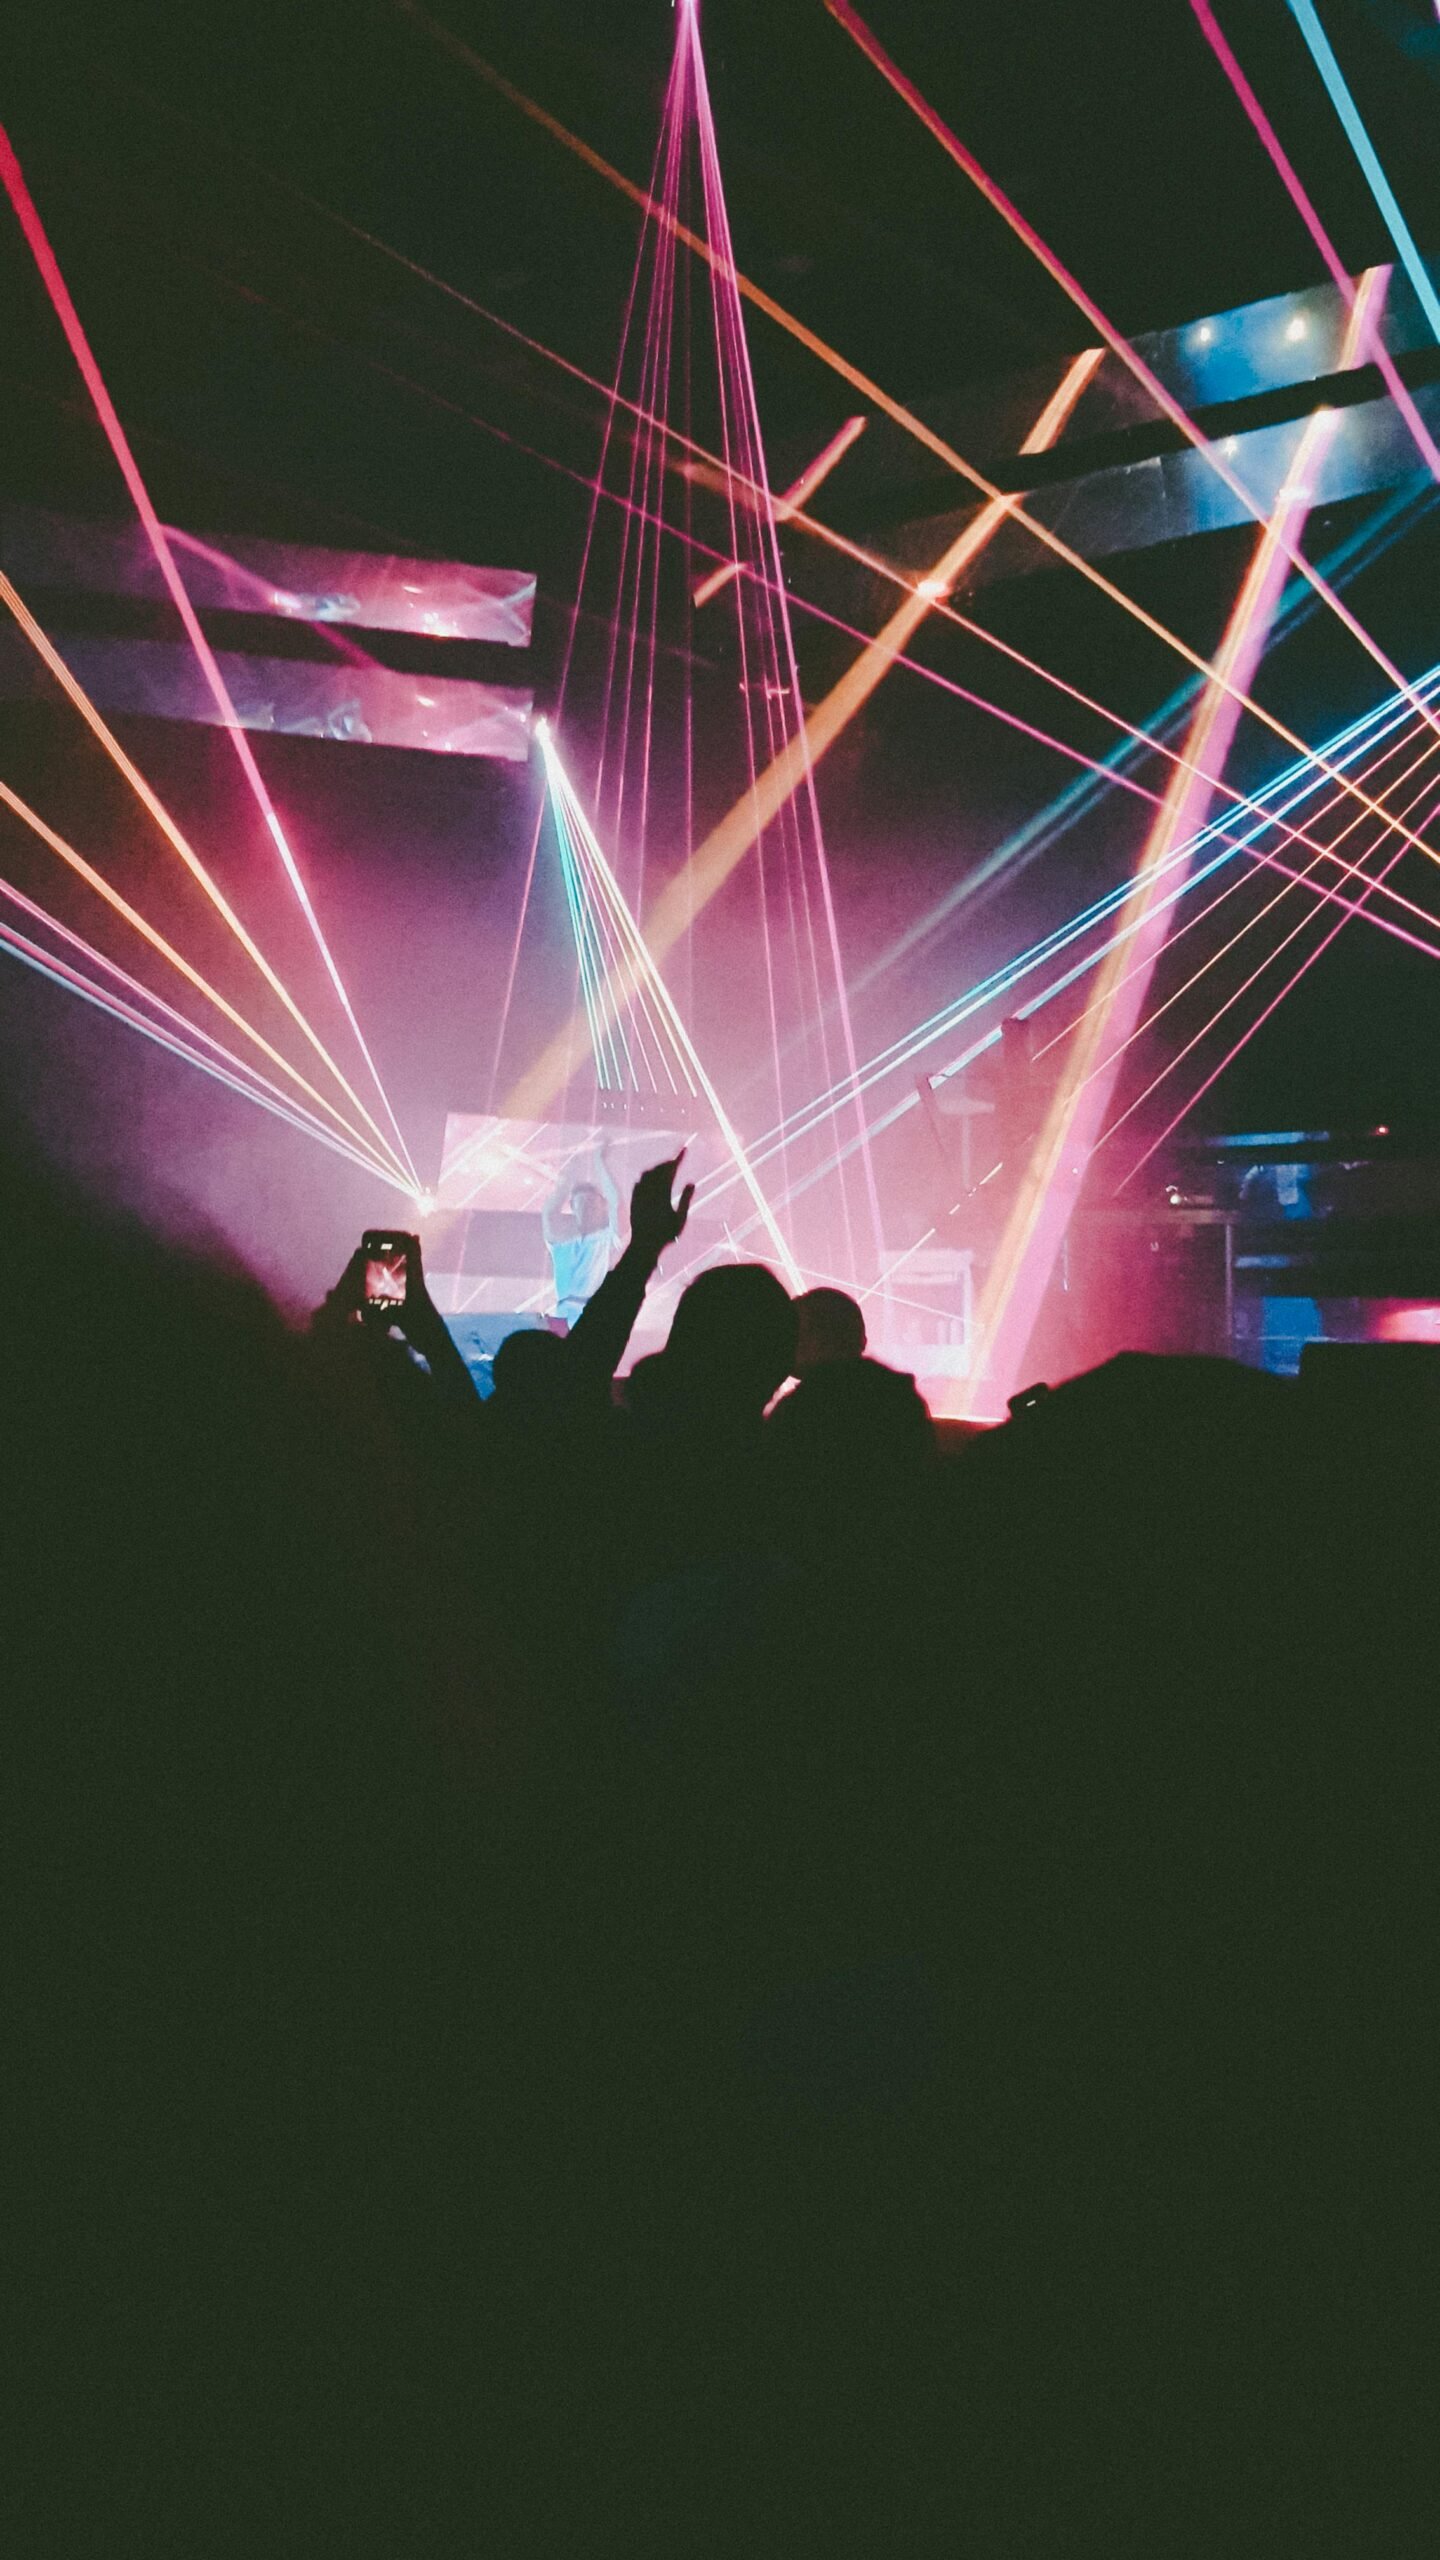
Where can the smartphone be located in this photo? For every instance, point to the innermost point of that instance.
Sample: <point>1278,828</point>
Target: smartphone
<point>387,1273</point>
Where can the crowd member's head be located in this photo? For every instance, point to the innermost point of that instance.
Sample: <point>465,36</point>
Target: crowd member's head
<point>732,1342</point>
<point>851,1449</point>
<point>829,1326</point>
<point>529,1372</point>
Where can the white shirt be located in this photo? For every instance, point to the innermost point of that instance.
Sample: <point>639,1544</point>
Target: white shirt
<point>580,1263</point>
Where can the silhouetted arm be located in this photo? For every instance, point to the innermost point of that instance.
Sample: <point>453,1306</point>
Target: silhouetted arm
<point>597,1341</point>
<point>419,1319</point>
<point>426,1331</point>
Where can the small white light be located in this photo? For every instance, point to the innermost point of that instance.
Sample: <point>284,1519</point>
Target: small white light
<point>1297,328</point>
<point>1231,445</point>
<point>1205,334</point>
<point>931,587</point>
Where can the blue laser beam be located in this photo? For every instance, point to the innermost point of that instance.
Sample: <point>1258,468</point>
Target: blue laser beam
<point>1323,56</point>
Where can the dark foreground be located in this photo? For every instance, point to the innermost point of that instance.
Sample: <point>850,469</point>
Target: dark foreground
<point>585,1982</point>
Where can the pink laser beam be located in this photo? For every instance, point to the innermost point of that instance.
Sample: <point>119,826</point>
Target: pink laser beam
<point>1025,231</point>
<point>1215,37</point>
<point>795,496</point>
<point>37,240</point>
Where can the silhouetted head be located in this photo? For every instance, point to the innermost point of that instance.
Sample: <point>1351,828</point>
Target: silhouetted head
<point>829,1326</point>
<point>853,1442</point>
<point>733,1338</point>
<point>589,1208</point>
<point>529,1370</point>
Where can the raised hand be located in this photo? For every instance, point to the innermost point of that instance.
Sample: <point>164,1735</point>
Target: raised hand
<point>346,1303</point>
<point>655,1218</point>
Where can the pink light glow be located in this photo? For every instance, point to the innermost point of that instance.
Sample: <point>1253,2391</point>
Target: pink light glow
<point>1051,1185</point>
<point>252,1077</point>
<point>1409,1324</point>
<point>242,1080</point>
<point>728,302</point>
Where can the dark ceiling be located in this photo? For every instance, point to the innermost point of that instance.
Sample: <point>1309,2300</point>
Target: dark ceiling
<point>286,374</point>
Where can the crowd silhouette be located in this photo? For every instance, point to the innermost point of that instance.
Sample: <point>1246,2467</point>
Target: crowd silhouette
<point>642,1967</point>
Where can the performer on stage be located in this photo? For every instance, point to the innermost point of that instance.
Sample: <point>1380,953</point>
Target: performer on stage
<point>581,1220</point>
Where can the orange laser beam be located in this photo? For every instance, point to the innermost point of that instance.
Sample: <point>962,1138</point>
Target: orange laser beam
<point>881,399</point>
<point>37,241</point>
<point>789,502</point>
<point>51,657</point>
<point>1051,1180</point>
<point>727,844</point>
<point>95,880</point>
<point>849,18</point>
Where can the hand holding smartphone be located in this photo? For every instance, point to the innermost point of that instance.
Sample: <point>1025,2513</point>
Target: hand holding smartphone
<point>387,1275</point>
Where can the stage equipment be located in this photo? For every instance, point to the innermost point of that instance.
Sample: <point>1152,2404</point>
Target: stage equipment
<point>1288,792</point>
<point>348,699</point>
<point>1128,479</point>
<point>27,215</point>
<point>347,703</point>
<point>1334,1234</point>
<point>298,582</point>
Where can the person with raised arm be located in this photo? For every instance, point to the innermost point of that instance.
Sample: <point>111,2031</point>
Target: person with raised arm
<point>602,1330</point>
<point>581,1223</point>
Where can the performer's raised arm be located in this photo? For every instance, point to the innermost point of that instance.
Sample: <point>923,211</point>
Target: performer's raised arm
<point>605,1180</point>
<point>557,1206</point>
